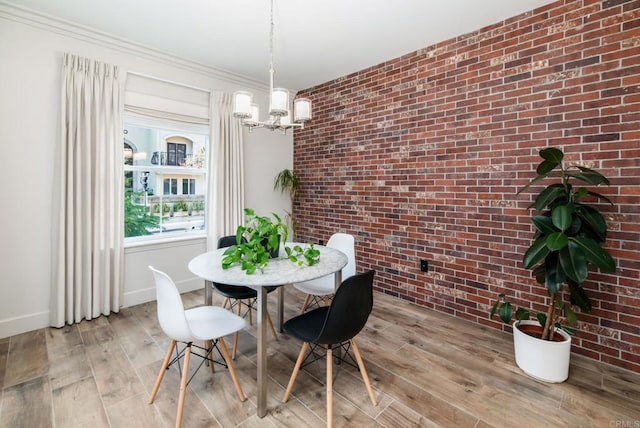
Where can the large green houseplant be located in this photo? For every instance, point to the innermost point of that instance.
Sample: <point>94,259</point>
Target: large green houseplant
<point>258,240</point>
<point>567,241</point>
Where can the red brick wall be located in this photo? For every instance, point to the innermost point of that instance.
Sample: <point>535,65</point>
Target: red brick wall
<point>421,157</point>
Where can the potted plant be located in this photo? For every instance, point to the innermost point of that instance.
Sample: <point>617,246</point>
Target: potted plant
<point>568,239</point>
<point>258,240</point>
<point>286,181</point>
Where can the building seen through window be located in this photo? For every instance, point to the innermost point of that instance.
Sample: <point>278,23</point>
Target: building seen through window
<point>165,176</point>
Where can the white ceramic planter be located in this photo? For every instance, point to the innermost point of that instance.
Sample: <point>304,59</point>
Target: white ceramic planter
<point>542,359</point>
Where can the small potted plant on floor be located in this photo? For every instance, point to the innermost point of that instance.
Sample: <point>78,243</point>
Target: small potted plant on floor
<point>286,181</point>
<point>568,239</point>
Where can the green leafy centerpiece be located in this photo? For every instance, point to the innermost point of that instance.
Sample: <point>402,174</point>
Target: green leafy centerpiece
<point>258,240</point>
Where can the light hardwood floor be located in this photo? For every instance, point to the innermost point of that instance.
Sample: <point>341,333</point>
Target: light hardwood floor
<point>427,369</point>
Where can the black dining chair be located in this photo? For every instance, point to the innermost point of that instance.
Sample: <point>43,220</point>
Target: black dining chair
<point>242,299</point>
<point>334,327</point>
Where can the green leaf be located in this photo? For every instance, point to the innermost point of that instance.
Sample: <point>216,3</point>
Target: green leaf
<point>554,275</point>
<point>545,167</point>
<point>494,308</point>
<point>593,221</point>
<point>505,312</point>
<point>594,254</point>
<point>556,241</point>
<point>599,196</point>
<point>550,195</point>
<point>579,296</point>
<point>590,176</point>
<point>573,262</point>
<point>542,318</point>
<point>544,224</point>
<point>522,314</point>
<point>552,154</point>
<point>537,252</point>
<point>561,215</point>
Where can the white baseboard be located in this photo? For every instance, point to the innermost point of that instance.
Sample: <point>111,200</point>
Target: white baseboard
<point>22,324</point>
<point>149,294</point>
<point>35,321</point>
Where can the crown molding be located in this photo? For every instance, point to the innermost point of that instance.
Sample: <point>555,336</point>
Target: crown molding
<point>70,29</point>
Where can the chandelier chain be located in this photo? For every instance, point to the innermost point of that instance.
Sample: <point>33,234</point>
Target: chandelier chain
<point>271,40</point>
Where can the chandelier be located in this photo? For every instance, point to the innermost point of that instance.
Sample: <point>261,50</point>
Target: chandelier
<point>279,107</point>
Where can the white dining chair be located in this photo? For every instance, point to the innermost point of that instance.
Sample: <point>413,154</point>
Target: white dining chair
<point>321,289</point>
<point>204,323</point>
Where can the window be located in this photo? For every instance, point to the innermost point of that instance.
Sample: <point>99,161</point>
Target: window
<point>176,153</point>
<point>170,186</point>
<point>188,186</point>
<point>159,157</point>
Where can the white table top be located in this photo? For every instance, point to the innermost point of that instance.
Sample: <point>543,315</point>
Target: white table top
<point>278,271</point>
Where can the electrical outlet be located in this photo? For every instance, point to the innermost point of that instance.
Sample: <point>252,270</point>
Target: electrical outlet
<point>424,265</point>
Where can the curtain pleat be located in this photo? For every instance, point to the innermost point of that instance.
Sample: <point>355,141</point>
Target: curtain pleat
<point>226,161</point>
<point>88,245</point>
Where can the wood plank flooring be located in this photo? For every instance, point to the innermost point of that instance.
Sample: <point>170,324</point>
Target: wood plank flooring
<point>427,369</point>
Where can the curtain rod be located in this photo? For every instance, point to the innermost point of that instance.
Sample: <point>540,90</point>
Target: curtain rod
<point>146,76</point>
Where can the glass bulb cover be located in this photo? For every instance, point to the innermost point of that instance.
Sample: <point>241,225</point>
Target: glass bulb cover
<point>301,110</point>
<point>242,104</point>
<point>279,102</point>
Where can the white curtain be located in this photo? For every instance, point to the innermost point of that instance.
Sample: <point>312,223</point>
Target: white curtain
<point>226,162</point>
<point>88,241</point>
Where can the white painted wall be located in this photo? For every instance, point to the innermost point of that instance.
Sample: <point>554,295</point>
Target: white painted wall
<point>31,49</point>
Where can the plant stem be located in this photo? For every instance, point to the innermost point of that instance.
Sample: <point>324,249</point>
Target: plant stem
<point>550,322</point>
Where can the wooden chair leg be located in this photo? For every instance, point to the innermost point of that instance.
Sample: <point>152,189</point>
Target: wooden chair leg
<point>224,302</point>
<point>234,351</point>
<point>232,370</point>
<point>273,330</point>
<point>329,388</point>
<point>209,345</point>
<point>250,305</point>
<point>306,303</point>
<point>363,371</point>
<point>183,385</point>
<point>163,369</point>
<point>296,369</point>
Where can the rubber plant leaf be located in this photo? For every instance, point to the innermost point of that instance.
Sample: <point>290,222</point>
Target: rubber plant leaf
<point>554,274</point>
<point>594,220</point>
<point>550,195</point>
<point>579,296</point>
<point>561,215</point>
<point>594,253</point>
<point>573,262</point>
<point>537,252</point>
<point>552,154</point>
<point>557,241</point>
<point>544,224</point>
<point>589,176</point>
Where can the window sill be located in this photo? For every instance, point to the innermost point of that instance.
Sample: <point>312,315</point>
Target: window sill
<point>134,244</point>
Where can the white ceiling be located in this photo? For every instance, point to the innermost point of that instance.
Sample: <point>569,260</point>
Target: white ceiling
<point>315,41</point>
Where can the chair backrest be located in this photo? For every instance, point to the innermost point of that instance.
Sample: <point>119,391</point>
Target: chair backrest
<point>345,243</point>
<point>170,308</point>
<point>227,241</point>
<point>349,310</point>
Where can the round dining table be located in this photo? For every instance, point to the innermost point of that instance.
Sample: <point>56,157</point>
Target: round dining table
<point>278,272</point>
